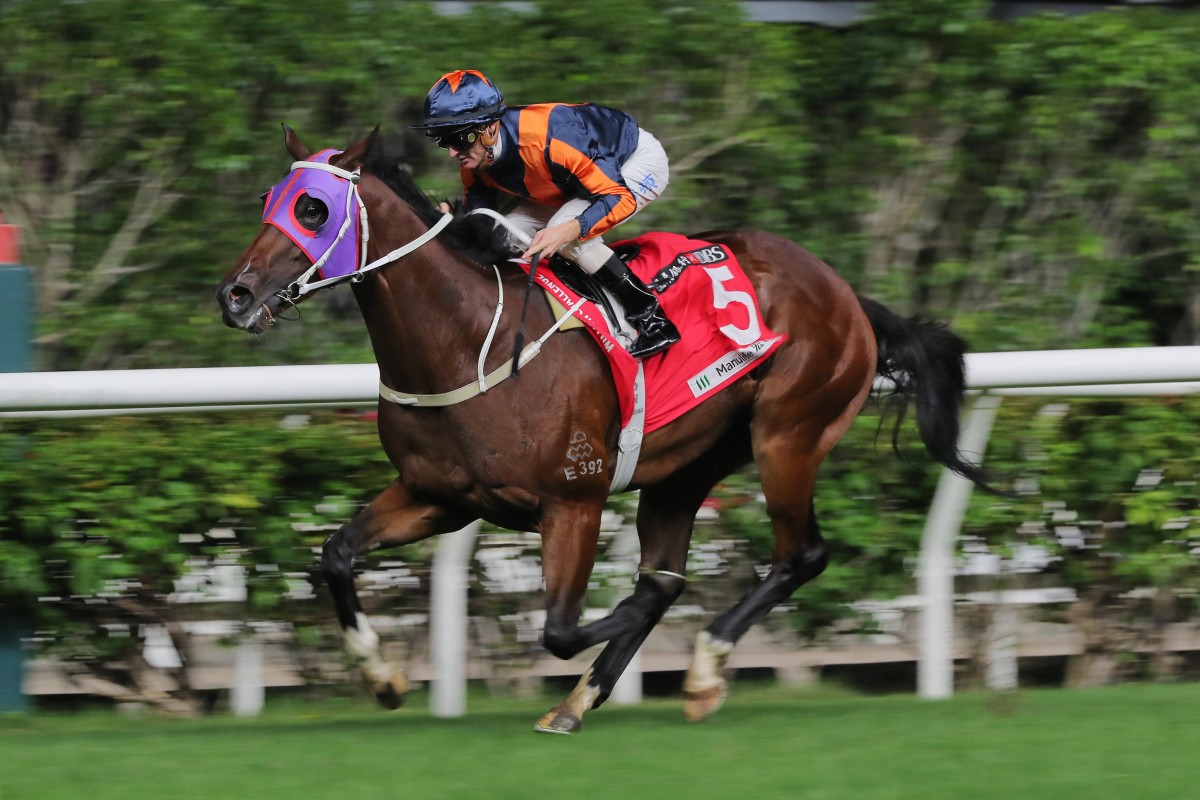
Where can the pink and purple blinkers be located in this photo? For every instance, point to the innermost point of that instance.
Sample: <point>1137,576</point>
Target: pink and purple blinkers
<point>280,210</point>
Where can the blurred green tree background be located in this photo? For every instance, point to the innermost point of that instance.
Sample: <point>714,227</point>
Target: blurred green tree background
<point>1032,182</point>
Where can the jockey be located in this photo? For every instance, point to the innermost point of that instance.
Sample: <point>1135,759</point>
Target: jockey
<point>578,170</point>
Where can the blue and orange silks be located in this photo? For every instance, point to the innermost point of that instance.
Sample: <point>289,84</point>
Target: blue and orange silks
<point>552,152</point>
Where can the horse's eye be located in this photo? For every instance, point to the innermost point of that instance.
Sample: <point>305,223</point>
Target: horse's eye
<point>311,212</point>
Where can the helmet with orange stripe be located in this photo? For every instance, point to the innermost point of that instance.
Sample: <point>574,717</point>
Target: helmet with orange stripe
<point>465,98</point>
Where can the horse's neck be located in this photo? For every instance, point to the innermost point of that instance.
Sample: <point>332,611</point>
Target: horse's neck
<point>427,314</point>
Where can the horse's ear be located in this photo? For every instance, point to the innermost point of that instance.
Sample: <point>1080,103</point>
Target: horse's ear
<point>356,154</point>
<point>293,144</point>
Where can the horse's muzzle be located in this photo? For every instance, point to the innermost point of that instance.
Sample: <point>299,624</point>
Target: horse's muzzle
<point>240,308</point>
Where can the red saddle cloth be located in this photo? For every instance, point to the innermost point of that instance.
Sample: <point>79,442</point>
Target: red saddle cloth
<point>704,291</point>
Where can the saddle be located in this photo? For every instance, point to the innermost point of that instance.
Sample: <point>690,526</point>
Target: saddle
<point>587,286</point>
<point>703,290</point>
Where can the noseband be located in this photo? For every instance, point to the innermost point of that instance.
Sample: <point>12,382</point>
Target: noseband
<point>304,285</point>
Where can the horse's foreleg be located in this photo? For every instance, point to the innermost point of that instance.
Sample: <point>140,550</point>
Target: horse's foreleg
<point>391,519</point>
<point>630,624</point>
<point>652,596</point>
<point>666,514</point>
<point>569,538</point>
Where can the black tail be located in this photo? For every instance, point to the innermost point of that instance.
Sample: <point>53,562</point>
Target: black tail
<point>925,362</point>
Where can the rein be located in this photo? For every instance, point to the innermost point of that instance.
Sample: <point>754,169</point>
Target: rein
<point>302,286</point>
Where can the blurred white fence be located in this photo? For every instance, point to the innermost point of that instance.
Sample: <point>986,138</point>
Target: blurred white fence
<point>1114,371</point>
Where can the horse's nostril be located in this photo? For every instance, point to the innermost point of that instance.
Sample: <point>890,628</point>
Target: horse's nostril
<point>238,298</point>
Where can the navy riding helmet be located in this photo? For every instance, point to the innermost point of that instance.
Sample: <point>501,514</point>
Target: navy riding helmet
<point>462,99</point>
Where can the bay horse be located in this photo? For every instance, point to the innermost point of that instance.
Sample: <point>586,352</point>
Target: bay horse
<point>500,455</point>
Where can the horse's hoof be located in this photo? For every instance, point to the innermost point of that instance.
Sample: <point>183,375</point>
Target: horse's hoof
<point>389,698</point>
<point>702,704</point>
<point>390,695</point>
<point>558,721</point>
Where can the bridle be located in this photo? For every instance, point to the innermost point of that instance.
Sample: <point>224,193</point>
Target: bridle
<point>303,285</point>
<point>631,435</point>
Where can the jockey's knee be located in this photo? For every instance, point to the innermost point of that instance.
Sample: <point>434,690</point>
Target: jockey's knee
<point>590,255</point>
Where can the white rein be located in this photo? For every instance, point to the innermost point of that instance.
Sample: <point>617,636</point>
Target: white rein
<point>302,286</point>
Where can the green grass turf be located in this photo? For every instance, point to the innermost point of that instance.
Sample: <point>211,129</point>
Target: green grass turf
<point>1128,742</point>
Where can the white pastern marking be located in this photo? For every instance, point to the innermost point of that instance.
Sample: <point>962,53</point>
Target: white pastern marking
<point>362,643</point>
<point>583,696</point>
<point>707,663</point>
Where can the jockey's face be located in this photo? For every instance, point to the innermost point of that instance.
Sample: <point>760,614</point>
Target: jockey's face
<point>469,150</point>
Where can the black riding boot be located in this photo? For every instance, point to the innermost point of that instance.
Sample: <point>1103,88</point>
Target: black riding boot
<point>655,331</point>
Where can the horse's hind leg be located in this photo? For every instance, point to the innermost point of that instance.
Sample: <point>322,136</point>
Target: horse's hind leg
<point>704,686</point>
<point>787,457</point>
<point>390,520</point>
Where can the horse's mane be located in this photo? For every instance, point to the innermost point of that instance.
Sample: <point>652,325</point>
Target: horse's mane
<point>474,236</point>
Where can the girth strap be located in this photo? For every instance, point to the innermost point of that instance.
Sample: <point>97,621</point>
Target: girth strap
<point>629,443</point>
<point>462,393</point>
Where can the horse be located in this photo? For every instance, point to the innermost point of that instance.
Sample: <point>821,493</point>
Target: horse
<point>500,455</point>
